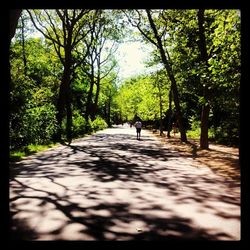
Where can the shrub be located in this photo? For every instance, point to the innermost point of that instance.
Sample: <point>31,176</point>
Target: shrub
<point>38,125</point>
<point>98,124</point>
<point>79,124</point>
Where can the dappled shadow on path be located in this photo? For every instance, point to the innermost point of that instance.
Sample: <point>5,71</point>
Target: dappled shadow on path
<point>110,186</point>
<point>220,159</point>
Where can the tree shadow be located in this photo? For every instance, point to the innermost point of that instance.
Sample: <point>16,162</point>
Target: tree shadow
<point>20,230</point>
<point>113,187</point>
<point>220,159</point>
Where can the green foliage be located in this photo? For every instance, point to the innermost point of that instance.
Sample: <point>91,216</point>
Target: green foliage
<point>140,96</point>
<point>81,127</point>
<point>36,73</point>
<point>195,124</point>
<point>107,106</point>
<point>194,134</point>
<point>79,124</point>
<point>98,124</point>
<point>32,95</point>
<point>39,124</point>
<point>222,74</point>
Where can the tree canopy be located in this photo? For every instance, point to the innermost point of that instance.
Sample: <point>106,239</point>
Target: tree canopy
<point>64,82</point>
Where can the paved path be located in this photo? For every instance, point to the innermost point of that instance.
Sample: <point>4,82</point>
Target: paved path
<point>110,186</point>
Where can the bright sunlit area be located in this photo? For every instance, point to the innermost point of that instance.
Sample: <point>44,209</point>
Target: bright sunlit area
<point>131,57</point>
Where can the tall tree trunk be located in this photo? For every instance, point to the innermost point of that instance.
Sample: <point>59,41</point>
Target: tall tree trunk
<point>64,97</point>
<point>171,77</point>
<point>95,108</point>
<point>23,48</point>
<point>14,16</point>
<point>61,102</point>
<point>170,112</point>
<point>69,118</point>
<point>206,107</point>
<point>160,106</point>
<point>204,127</point>
<point>89,103</point>
<point>161,125</point>
<point>13,21</point>
<point>109,109</point>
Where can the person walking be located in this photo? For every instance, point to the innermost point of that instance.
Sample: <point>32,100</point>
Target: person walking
<point>138,126</point>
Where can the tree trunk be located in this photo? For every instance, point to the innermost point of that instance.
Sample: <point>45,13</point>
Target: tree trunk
<point>109,108</point>
<point>94,111</point>
<point>14,16</point>
<point>23,48</point>
<point>69,118</point>
<point>89,100</point>
<point>178,109</point>
<point>206,107</point>
<point>161,125</point>
<point>171,77</point>
<point>170,112</point>
<point>64,97</point>
<point>160,106</point>
<point>13,21</point>
<point>204,127</point>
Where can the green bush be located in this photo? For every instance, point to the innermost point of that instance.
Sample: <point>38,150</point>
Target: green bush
<point>80,127</point>
<point>225,135</point>
<point>98,124</point>
<point>79,124</point>
<point>44,122</point>
<point>194,134</point>
<point>36,126</point>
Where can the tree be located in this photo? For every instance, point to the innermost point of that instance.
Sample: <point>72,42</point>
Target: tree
<point>204,59</point>
<point>32,118</point>
<point>155,38</point>
<point>74,29</point>
<point>108,106</point>
<point>206,51</point>
<point>224,47</point>
<point>171,77</point>
<point>100,60</point>
<point>70,71</point>
<point>160,85</point>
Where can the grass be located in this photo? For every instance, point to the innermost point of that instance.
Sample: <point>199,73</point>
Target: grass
<point>17,155</point>
<point>194,134</point>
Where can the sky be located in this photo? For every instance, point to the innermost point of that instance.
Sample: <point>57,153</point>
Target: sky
<point>130,57</point>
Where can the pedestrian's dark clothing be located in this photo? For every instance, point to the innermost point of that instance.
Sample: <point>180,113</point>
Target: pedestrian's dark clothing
<point>138,126</point>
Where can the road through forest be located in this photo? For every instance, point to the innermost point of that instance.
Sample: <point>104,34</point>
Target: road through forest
<point>110,186</point>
